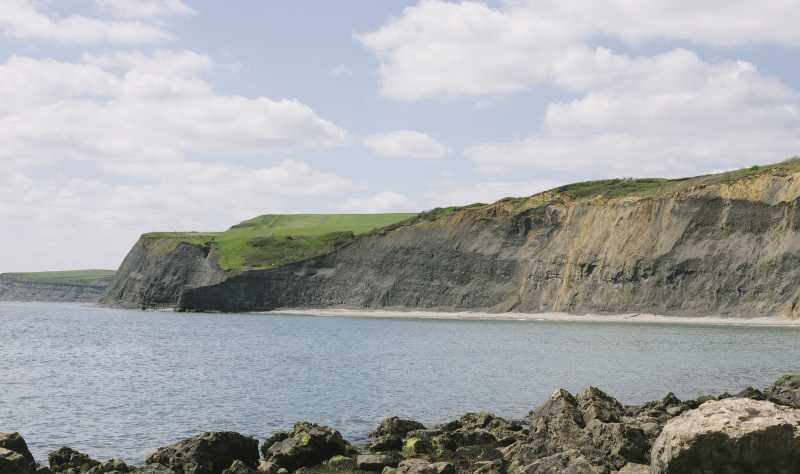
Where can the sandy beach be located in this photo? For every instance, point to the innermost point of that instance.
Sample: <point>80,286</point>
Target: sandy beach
<point>637,318</point>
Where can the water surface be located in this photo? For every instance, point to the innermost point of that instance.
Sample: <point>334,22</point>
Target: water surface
<point>120,383</point>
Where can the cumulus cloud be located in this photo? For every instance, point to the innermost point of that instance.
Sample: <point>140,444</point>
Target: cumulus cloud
<point>142,9</point>
<point>439,49</point>
<point>20,19</point>
<point>668,115</point>
<point>100,220</point>
<point>379,203</point>
<point>406,144</point>
<point>131,108</point>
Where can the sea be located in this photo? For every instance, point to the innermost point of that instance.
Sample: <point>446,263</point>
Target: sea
<point>116,383</point>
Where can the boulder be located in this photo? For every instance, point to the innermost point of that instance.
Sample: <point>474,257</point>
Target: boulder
<point>238,467</point>
<point>67,460</point>
<point>155,468</point>
<point>420,466</point>
<point>14,442</point>
<point>414,447</point>
<point>308,444</point>
<point>392,443</point>
<point>567,462</point>
<point>395,427</point>
<point>15,457</point>
<point>594,404</point>
<point>15,463</point>
<point>633,468</point>
<point>736,435</point>
<point>376,463</point>
<point>619,443</point>
<point>112,466</point>
<point>210,453</point>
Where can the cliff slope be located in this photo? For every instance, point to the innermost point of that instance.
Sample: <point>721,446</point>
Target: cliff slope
<point>728,247</point>
<point>17,288</point>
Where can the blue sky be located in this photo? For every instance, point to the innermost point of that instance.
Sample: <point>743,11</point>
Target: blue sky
<point>120,117</point>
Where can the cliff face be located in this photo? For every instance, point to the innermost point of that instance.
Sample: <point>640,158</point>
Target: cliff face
<point>14,288</point>
<point>730,249</point>
<point>152,276</point>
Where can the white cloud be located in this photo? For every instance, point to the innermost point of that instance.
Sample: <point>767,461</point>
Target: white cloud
<point>340,70</point>
<point>20,19</point>
<point>406,144</point>
<point>668,115</point>
<point>88,223</point>
<point>125,110</point>
<point>141,9</point>
<point>438,49</point>
<point>379,203</point>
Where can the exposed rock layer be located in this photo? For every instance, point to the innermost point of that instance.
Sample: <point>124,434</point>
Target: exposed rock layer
<point>14,288</point>
<point>731,249</point>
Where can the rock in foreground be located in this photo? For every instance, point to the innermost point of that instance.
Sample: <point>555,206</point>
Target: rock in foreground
<point>734,436</point>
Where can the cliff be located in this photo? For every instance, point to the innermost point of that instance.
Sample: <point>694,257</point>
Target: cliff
<point>17,288</point>
<point>157,270</point>
<point>729,248</point>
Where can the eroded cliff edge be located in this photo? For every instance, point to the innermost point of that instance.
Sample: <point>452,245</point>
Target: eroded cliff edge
<point>730,248</point>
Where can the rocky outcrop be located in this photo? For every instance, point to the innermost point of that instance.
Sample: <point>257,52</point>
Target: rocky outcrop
<point>587,433</point>
<point>306,445</point>
<point>736,436</point>
<point>17,288</point>
<point>724,249</point>
<point>157,270</point>
<point>210,453</point>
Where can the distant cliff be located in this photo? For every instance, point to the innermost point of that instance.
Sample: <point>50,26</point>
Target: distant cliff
<point>17,288</point>
<point>731,247</point>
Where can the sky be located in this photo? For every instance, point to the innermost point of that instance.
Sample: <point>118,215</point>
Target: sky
<point>121,117</point>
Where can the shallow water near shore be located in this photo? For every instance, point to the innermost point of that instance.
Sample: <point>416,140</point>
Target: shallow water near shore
<point>121,383</point>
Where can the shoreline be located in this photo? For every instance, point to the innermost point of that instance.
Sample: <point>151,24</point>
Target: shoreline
<point>636,318</point>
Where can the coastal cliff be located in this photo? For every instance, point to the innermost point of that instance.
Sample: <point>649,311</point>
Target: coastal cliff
<point>724,247</point>
<point>156,271</point>
<point>17,288</point>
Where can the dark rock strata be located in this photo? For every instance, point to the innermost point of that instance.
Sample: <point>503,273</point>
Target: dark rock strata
<point>706,251</point>
<point>15,288</point>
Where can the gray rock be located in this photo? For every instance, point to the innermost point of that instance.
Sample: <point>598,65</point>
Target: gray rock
<point>376,463</point>
<point>112,466</point>
<point>618,442</point>
<point>65,458</point>
<point>417,447</point>
<point>42,469</point>
<point>490,467</point>
<point>238,467</point>
<point>210,453</point>
<point>633,468</point>
<point>594,404</point>
<point>155,468</point>
<point>567,462</point>
<point>392,443</point>
<point>735,436</point>
<point>268,468</point>
<point>420,466</point>
<point>15,463</point>
<point>308,444</point>
<point>395,427</point>
<point>14,442</point>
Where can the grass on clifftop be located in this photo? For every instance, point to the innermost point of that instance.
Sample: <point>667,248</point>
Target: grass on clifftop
<point>622,187</point>
<point>277,239</point>
<point>72,275</point>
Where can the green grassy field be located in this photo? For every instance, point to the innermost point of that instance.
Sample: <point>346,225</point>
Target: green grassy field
<point>277,239</point>
<point>73,275</point>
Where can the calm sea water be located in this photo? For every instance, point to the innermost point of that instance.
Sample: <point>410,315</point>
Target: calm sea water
<point>118,383</point>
